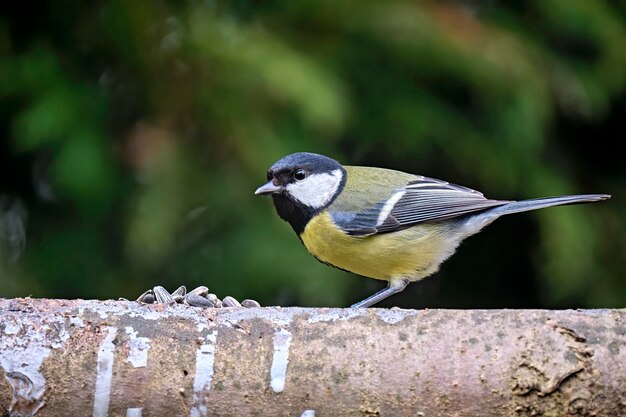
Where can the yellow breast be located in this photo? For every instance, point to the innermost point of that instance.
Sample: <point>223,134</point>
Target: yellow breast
<point>413,253</point>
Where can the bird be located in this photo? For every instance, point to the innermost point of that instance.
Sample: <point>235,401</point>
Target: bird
<point>382,223</point>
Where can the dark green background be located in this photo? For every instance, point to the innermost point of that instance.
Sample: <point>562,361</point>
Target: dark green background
<point>134,133</point>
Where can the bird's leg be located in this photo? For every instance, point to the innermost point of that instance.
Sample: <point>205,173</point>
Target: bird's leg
<point>393,287</point>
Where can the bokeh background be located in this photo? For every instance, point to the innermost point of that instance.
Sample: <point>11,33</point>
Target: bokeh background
<point>134,133</point>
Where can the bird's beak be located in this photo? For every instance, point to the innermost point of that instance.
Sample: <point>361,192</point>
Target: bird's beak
<point>268,188</point>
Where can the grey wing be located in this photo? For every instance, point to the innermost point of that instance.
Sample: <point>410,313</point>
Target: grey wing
<point>423,200</point>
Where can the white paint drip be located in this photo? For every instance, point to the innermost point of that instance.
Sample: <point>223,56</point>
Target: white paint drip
<point>22,371</point>
<point>308,413</point>
<point>21,357</point>
<point>104,374</point>
<point>138,348</point>
<point>205,356</point>
<point>278,371</point>
<point>317,189</point>
<point>133,412</point>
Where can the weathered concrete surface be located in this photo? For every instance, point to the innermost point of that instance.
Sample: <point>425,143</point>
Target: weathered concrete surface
<point>94,358</point>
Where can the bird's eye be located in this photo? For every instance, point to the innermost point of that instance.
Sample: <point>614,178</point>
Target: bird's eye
<point>300,174</point>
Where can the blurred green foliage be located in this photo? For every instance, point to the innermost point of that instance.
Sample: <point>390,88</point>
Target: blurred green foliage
<point>135,132</point>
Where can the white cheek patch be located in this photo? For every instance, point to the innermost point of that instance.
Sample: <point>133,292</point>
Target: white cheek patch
<point>316,190</point>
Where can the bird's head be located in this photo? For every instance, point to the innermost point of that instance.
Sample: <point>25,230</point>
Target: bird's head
<point>302,184</point>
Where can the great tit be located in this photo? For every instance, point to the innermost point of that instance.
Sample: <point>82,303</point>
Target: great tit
<point>381,223</point>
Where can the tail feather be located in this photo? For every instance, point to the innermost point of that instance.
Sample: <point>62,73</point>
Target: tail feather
<point>475,223</point>
<point>539,203</point>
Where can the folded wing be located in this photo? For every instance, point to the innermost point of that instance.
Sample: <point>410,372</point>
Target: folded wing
<point>419,200</point>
